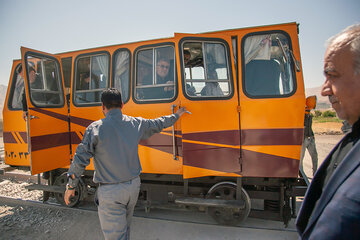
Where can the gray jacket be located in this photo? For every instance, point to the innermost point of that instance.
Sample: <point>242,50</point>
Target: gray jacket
<point>113,143</point>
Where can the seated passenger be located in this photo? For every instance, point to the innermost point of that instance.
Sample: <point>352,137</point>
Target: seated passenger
<point>212,88</point>
<point>19,88</point>
<point>187,57</point>
<point>190,90</point>
<point>86,97</point>
<point>162,77</point>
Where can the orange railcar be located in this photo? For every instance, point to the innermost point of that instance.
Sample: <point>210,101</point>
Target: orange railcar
<point>236,154</point>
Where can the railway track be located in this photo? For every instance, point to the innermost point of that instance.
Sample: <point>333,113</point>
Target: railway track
<point>164,213</point>
<point>158,213</point>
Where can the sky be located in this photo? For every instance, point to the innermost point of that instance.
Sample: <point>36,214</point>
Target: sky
<point>56,26</point>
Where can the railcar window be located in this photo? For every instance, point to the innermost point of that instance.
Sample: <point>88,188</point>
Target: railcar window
<point>206,70</point>
<point>45,81</point>
<point>92,74</point>
<point>155,75</point>
<point>121,73</point>
<point>17,89</point>
<point>269,70</point>
<point>66,67</point>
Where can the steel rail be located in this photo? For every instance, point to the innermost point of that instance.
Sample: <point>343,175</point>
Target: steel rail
<point>91,208</point>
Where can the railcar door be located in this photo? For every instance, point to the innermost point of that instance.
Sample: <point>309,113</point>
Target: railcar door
<point>47,122</point>
<point>272,100</point>
<point>210,135</point>
<point>14,132</point>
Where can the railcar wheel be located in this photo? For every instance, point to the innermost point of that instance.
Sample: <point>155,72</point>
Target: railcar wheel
<point>228,216</point>
<point>61,181</point>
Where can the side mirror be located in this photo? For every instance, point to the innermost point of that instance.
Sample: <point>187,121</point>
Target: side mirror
<point>311,102</point>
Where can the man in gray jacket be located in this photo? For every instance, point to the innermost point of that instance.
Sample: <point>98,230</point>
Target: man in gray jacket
<point>113,143</point>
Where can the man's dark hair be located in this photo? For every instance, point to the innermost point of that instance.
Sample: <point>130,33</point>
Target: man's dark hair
<point>111,98</point>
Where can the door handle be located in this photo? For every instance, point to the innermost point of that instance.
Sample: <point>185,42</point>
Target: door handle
<point>33,117</point>
<point>173,135</point>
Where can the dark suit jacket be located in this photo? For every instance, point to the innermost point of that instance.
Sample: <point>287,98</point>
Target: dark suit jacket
<point>337,214</point>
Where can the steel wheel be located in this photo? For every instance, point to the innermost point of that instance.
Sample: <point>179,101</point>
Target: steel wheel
<point>228,216</point>
<point>61,181</point>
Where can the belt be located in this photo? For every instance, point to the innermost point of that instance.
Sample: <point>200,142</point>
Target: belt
<point>117,182</point>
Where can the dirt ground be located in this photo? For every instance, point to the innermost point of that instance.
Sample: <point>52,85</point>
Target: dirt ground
<point>327,128</point>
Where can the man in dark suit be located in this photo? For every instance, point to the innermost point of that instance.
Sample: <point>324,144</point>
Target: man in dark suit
<point>331,208</point>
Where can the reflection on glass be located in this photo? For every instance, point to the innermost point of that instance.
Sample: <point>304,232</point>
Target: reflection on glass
<point>268,69</point>
<point>206,70</point>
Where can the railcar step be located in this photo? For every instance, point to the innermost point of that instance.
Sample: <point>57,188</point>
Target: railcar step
<point>47,188</point>
<point>211,202</point>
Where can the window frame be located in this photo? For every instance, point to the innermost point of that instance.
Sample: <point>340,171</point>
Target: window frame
<point>74,91</point>
<point>135,68</point>
<point>293,72</point>
<point>60,78</point>
<point>228,55</point>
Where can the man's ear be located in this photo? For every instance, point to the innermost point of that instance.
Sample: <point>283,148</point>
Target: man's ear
<point>103,107</point>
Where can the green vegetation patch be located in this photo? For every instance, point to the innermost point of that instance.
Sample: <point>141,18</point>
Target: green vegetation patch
<point>326,119</point>
<point>326,116</point>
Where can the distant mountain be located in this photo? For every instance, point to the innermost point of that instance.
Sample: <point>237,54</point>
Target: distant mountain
<point>3,90</point>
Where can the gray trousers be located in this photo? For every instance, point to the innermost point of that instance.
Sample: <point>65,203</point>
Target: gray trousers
<point>116,203</point>
<point>309,144</point>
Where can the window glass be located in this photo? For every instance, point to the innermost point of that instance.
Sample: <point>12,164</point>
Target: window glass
<point>155,74</point>
<point>18,88</point>
<point>121,73</point>
<point>268,65</point>
<point>206,69</point>
<point>66,67</point>
<point>92,74</point>
<point>45,82</point>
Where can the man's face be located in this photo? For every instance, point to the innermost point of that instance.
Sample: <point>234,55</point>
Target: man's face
<point>162,68</point>
<point>186,58</point>
<point>342,86</point>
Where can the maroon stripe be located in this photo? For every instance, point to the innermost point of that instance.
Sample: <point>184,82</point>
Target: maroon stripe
<point>163,143</point>
<point>51,114</point>
<point>255,164</point>
<point>16,136</point>
<point>49,141</point>
<point>75,139</point>
<point>210,157</point>
<point>81,121</point>
<point>229,137</point>
<point>291,136</point>
<point>23,136</point>
<point>8,137</point>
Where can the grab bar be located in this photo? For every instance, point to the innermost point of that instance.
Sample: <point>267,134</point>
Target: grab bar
<point>173,135</point>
